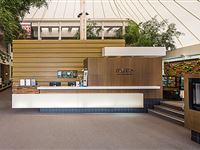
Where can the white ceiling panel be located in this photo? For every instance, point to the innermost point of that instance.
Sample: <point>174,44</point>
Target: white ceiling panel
<point>184,13</point>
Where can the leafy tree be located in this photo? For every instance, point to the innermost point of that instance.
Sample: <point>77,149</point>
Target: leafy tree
<point>132,33</point>
<point>152,33</point>
<point>12,13</point>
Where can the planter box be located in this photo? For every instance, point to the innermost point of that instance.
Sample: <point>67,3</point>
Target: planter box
<point>134,51</point>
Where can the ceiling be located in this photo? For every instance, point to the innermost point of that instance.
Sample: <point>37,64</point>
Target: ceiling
<point>184,13</point>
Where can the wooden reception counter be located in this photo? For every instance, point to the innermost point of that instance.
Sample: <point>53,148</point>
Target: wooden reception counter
<point>124,82</point>
<point>113,82</point>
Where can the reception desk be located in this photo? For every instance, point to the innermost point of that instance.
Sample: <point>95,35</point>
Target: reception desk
<point>83,97</point>
<point>130,82</point>
<point>113,83</point>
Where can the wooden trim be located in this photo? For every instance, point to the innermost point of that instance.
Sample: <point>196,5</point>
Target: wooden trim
<point>68,41</point>
<point>192,117</point>
<point>56,55</point>
<point>46,65</point>
<point>78,68</point>
<point>65,50</point>
<point>47,60</point>
<point>52,46</point>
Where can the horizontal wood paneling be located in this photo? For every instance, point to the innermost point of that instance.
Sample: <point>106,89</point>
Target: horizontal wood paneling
<point>47,79</point>
<point>42,59</point>
<point>65,50</point>
<point>49,65</point>
<point>47,60</point>
<point>52,46</point>
<point>25,90</point>
<point>35,74</point>
<point>55,55</point>
<point>44,69</point>
<point>68,42</point>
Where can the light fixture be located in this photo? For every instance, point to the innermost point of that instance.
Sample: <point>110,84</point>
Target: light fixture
<point>79,15</point>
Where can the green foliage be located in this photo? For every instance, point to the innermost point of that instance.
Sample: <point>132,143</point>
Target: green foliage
<point>92,32</point>
<point>151,33</point>
<point>132,34</point>
<point>12,13</point>
<point>180,68</point>
<point>119,34</point>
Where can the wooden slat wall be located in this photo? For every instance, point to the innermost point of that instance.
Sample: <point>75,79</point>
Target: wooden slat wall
<point>41,59</point>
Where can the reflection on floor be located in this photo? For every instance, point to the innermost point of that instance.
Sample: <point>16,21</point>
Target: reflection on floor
<point>5,99</point>
<point>33,130</point>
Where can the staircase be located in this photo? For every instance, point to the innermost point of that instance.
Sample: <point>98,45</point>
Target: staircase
<point>169,110</point>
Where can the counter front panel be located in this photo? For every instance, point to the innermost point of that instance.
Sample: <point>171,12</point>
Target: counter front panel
<point>84,97</point>
<point>81,100</point>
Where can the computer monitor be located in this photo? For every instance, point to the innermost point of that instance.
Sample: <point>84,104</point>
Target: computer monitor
<point>54,83</point>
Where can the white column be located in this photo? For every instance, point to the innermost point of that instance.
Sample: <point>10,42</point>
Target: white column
<point>123,28</point>
<point>83,21</point>
<point>163,67</point>
<point>102,32</point>
<point>60,31</point>
<point>39,35</point>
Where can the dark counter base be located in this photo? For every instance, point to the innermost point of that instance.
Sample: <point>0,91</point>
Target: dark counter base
<point>93,110</point>
<point>148,103</point>
<point>195,136</point>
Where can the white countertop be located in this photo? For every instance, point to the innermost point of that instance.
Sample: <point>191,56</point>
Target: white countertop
<point>99,88</point>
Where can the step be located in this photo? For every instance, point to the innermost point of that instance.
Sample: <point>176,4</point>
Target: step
<point>169,111</point>
<point>171,105</point>
<point>168,117</point>
<point>4,88</point>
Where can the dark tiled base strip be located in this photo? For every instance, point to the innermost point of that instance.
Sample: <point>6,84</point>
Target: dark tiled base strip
<point>93,110</point>
<point>195,136</point>
<point>148,103</point>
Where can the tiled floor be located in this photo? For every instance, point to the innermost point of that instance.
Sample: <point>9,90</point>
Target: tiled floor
<point>29,129</point>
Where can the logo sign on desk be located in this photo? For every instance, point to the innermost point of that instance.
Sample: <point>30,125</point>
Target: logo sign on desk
<point>124,71</point>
